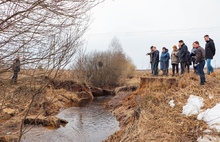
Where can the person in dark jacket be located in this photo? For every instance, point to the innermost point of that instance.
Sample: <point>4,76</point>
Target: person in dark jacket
<point>188,62</point>
<point>192,55</point>
<point>155,61</point>
<point>182,54</point>
<point>16,69</point>
<point>164,61</point>
<point>151,48</point>
<point>209,54</point>
<point>200,61</point>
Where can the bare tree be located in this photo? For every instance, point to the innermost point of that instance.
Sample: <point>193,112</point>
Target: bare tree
<point>44,33</point>
<point>37,29</point>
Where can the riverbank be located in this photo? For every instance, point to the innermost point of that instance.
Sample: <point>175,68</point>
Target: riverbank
<point>91,123</point>
<point>36,100</point>
<point>154,112</point>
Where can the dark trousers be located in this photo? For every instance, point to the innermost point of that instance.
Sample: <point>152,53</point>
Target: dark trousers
<point>15,77</point>
<point>201,72</point>
<point>183,67</point>
<point>165,68</point>
<point>175,67</point>
<point>151,67</point>
<point>187,68</point>
<point>155,68</point>
<point>195,68</point>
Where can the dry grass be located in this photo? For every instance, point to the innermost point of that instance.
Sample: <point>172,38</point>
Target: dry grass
<point>146,115</point>
<point>49,96</point>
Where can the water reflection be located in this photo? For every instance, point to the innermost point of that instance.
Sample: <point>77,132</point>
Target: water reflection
<point>92,123</point>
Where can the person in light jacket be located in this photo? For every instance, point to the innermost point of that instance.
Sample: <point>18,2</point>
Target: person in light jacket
<point>175,60</point>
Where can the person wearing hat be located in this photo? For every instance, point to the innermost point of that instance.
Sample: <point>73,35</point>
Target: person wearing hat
<point>164,61</point>
<point>182,54</point>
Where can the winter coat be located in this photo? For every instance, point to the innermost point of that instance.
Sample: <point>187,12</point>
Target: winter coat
<point>151,54</point>
<point>155,56</point>
<point>189,59</point>
<point>210,49</point>
<point>182,54</point>
<point>16,65</point>
<point>193,54</point>
<point>200,55</point>
<point>174,57</point>
<point>164,60</point>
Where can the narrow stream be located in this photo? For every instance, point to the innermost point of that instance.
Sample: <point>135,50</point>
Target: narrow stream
<point>92,123</point>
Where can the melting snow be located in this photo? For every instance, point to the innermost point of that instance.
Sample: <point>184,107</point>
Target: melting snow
<point>208,138</point>
<point>193,106</point>
<point>211,117</point>
<point>171,103</point>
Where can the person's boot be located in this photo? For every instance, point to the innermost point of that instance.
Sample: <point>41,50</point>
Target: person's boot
<point>164,73</point>
<point>167,72</point>
<point>202,83</point>
<point>12,81</point>
<point>173,72</point>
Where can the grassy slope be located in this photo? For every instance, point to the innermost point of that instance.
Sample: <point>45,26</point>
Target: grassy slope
<point>15,99</point>
<point>145,115</point>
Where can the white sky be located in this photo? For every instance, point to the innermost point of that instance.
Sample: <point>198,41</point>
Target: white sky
<point>143,23</point>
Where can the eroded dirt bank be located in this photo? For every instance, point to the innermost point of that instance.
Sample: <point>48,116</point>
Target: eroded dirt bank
<point>42,97</point>
<point>146,116</point>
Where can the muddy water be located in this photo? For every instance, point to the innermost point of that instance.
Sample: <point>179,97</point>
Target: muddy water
<point>91,123</point>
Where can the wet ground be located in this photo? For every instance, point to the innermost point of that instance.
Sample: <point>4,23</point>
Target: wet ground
<point>91,123</point>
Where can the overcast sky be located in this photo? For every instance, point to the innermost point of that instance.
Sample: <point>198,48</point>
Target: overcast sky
<point>162,23</point>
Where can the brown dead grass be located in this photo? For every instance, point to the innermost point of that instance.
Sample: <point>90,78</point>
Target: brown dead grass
<point>146,115</point>
<point>50,96</point>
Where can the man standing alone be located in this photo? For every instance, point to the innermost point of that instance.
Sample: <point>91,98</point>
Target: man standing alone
<point>16,69</point>
<point>182,54</point>
<point>200,61</point>
<point>209,53</point>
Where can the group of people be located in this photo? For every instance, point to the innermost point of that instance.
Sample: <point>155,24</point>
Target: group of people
<point>181,55</point>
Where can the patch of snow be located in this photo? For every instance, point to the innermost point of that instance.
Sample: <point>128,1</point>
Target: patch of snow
<point>193,105</point>
<point>207,131</point>
<point>211,117</point>
<point>208,138</point>
<point>211,97</point>
<point>171,103</point>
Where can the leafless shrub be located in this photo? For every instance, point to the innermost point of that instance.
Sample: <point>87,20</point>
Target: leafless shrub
<point>104,68</point>
<point>45,33</point>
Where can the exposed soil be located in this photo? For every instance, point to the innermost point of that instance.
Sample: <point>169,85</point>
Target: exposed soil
<point>145,115</point>
<point>142,106</point>
<point>42,97</point>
